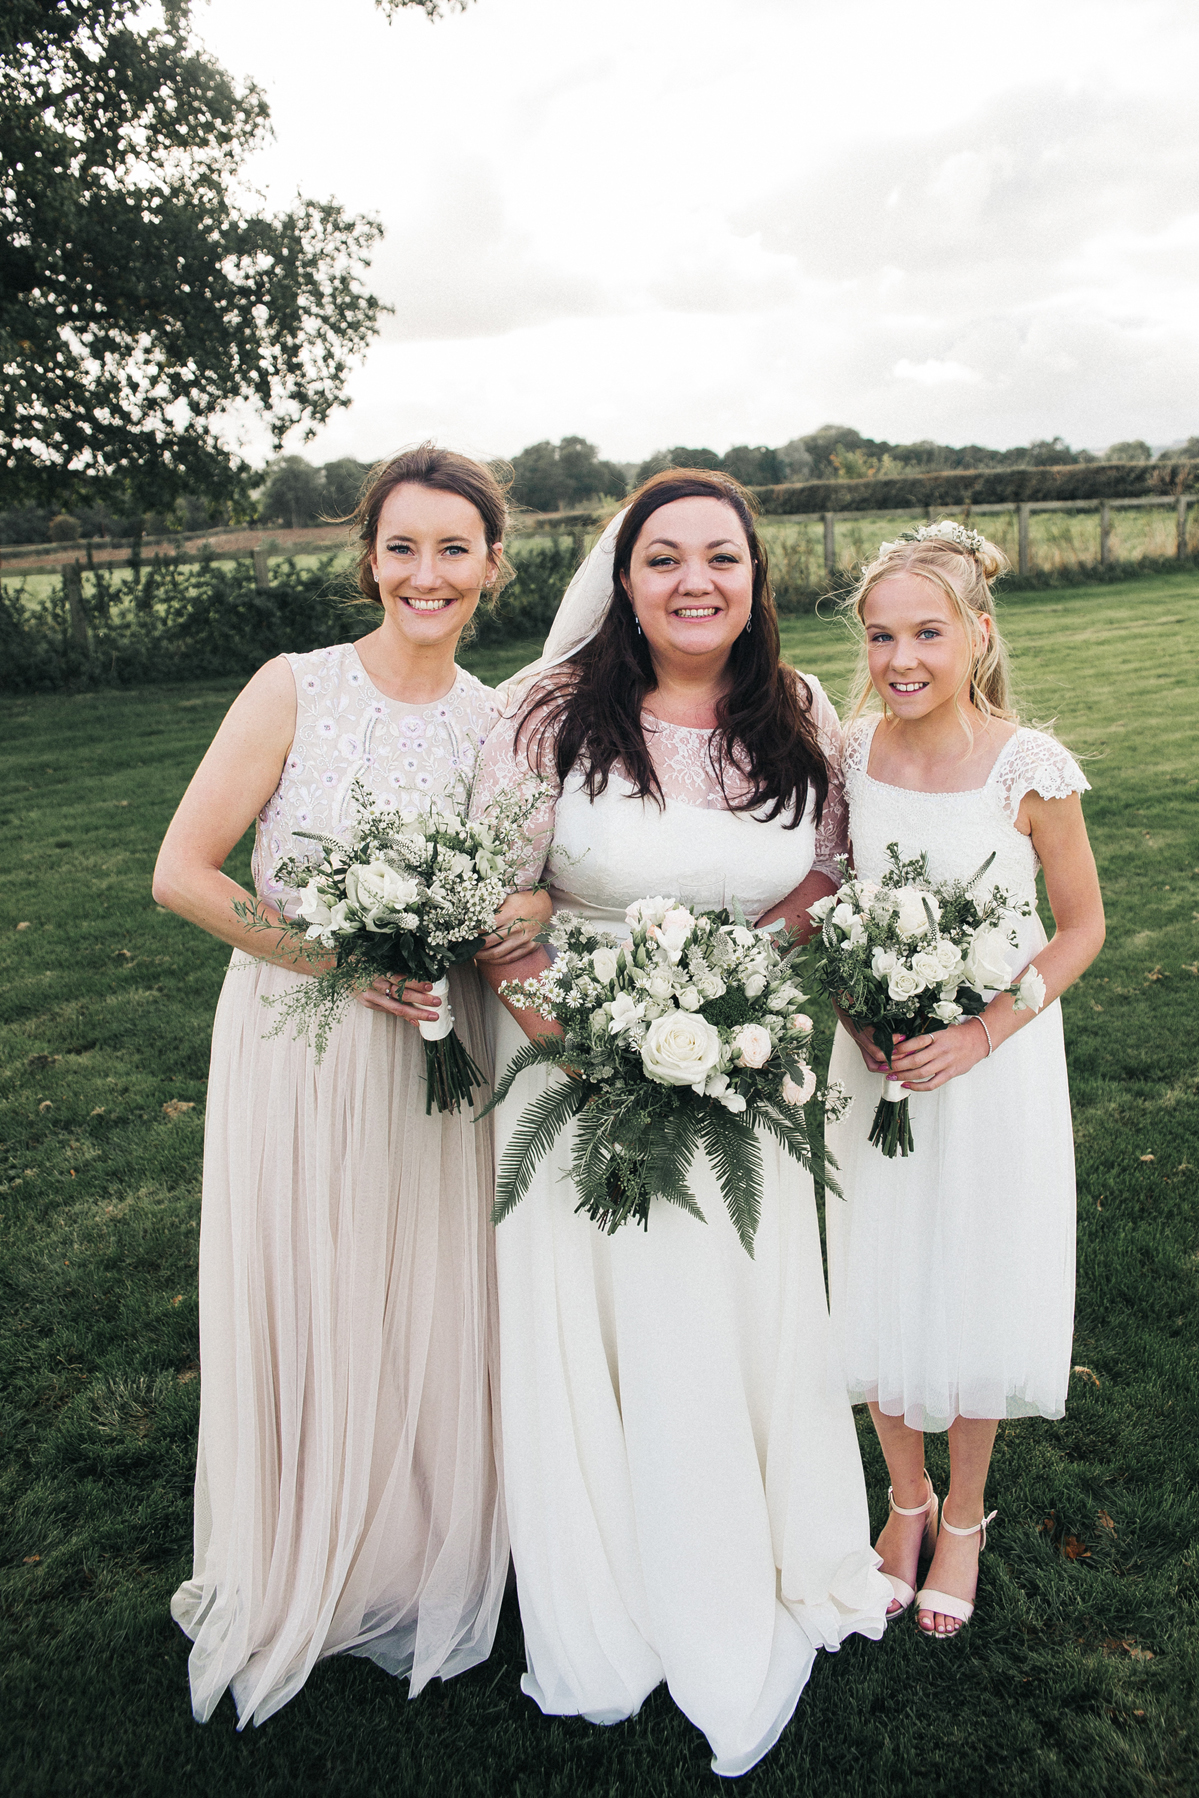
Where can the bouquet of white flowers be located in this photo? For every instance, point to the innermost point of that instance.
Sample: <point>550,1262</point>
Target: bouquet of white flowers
<point>409,894</point>
<point>679,1032</point>
<point>905,955</point>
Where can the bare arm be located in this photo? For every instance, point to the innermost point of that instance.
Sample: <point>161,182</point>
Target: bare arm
<point>793,910</point>
<point>1059,836</point>
<point>230,787</point>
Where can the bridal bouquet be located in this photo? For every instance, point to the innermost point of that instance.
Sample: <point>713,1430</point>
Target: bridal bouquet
<point>403,894</point>
<point>680,1032</point>
<point>909,957</point>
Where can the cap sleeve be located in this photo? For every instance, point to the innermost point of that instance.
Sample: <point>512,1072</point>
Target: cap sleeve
<point>1036,763</point>
<point>508,761</point>
<point>832,833</point>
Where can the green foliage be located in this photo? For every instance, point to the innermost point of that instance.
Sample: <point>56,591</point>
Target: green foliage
<point>105,1010</point>
<point>1135,451</point>
<point>549,477</point>
<point>141,297</point>
<point>951,490</point>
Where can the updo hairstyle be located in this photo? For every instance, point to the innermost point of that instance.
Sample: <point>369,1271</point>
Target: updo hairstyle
<point>963,570</point>
<point>446,471</point>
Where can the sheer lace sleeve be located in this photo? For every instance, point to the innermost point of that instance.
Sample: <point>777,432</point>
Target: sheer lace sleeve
<point>1034,762</point>
<point>504,764</point>
<point>832,833</point>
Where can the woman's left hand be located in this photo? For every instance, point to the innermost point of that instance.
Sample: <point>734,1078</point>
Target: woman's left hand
<point>923,1062</point>
<point>517,924</point>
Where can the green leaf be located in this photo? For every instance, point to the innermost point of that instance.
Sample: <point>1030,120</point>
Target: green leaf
<point>736,1159</point>
<point>546,1050</point>
<point>538,1128</point>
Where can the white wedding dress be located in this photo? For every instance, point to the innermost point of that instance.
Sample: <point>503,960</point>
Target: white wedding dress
<point>684,1488</point>
<point>951,1272</point>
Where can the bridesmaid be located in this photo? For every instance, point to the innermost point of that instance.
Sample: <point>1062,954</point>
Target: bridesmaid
<point>347,1489</point>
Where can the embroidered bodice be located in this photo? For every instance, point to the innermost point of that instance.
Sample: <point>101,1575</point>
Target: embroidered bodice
<point>411,757</point>
<point>958,830</point>
<point>601,855</point>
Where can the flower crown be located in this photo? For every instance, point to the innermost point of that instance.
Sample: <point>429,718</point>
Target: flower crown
<point>945,530</point>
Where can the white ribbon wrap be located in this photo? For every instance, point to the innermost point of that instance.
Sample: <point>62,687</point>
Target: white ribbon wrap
<point>892,1089</point>
<point>434,1032</point>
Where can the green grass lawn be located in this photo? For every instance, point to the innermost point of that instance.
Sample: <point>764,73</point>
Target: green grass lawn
<point>1078,1675</point>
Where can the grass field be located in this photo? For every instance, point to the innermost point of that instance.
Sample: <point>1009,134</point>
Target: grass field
<point>1078,1675</point>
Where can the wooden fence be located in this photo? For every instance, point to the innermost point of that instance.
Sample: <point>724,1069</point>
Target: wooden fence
<point>1023,512</point>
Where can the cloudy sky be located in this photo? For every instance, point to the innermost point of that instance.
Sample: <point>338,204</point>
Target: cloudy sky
<point>730,221</point>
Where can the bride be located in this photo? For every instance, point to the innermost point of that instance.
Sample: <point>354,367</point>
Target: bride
<point>684,1490</point>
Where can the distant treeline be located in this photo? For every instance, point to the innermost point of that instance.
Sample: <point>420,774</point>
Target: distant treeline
<point>571,475</point>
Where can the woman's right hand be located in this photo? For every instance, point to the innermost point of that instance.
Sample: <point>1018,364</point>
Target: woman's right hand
<point>412,1000</point>
<point>863,1036</point>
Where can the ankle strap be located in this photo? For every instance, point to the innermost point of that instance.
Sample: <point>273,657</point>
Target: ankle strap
<point>973,1530</point>
<point>915,1510</point>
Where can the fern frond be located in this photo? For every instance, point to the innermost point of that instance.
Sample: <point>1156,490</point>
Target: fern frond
<point>736,1159</point>
<point>669,1161</point>
<point>795,1139</point>
<point>536,1132</point>
<point>547,1050</point>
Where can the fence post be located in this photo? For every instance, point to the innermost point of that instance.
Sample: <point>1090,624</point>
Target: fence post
<point>1182,526</point>
<point>1105,534</point>
<point>262,569</point>
<point>830,543</point>
<point>1023,515</point>
<point>72,586</point>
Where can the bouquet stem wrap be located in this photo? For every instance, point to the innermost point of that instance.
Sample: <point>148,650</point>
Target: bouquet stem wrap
<point>891,1130</point>
<point>450,1074</point>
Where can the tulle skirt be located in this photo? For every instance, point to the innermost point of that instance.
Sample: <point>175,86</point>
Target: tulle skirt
<point>685,1492</point>
<point>951,1273</point>
<point>348,1491</point>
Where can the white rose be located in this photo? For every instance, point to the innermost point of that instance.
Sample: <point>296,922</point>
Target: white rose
<point>754,986</point>
<point>925,963</point>
<point>799,1095</point>
<point>625,1012</point>
<point>673,931</point>
<point>743,938</point>
<point>986,962</point>
<point>690,999</point>
<point>822,908</point>
<point>903,984</point>
<point>911,917</point>
<point>752,1045</point>
<point>604,963</point>
<point>680,1049</point>
<point>844,916</point>
<point>883,962</point>
<point>949,957</point>
<point>1030,995</point>
<point>312,907</point>
<point>947,1011</point>
<point>646,911</point>
<point>377,886</point>
<point>659,986</point>
<point>799,1020</point>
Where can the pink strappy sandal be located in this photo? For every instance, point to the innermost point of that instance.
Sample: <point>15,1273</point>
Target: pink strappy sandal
<point>904,1594</point>
<point>945,1602</point>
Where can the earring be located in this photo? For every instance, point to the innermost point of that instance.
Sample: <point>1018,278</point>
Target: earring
<point>749,624</point>
<point>637,622</point>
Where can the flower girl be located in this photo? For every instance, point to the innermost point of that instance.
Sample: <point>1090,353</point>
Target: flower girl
<point>952,1270</point>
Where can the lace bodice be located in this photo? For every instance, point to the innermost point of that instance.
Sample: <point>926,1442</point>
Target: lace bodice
<point>412,757</point>
<point>959,830</point>
<point>601,856</point>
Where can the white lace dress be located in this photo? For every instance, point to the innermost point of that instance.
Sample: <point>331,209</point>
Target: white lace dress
<point>951,1273</point>
<point>347,1486</point>
<point>685,1493</point>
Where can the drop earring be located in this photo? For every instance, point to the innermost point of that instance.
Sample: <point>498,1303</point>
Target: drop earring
<point>637,622</point>
<point>749,624</point>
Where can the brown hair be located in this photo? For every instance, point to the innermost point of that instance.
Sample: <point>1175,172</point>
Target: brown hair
<point>591,710</point>
<point>964,573</point>
<point>429,466</point>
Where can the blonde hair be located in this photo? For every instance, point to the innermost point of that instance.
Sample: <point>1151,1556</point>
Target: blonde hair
<point>962,565</point>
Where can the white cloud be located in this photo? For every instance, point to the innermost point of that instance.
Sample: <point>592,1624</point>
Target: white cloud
<point>718,221</point>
